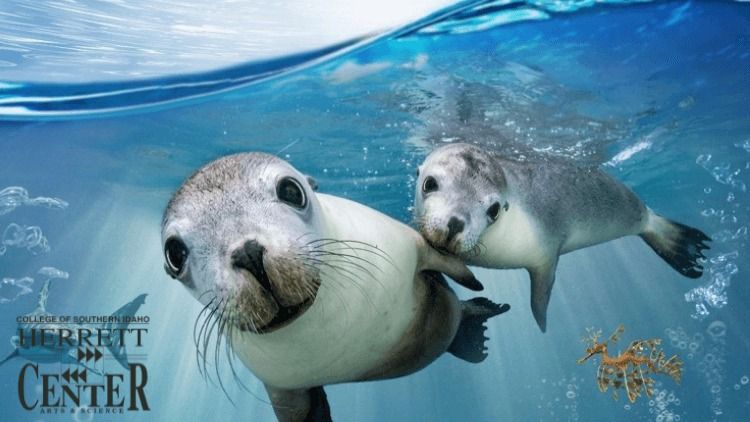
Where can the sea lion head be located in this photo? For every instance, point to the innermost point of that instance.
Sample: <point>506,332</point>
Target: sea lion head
<point>240,234</point>
<point>460,192</point>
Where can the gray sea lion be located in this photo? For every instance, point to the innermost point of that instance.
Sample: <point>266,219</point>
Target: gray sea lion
<point>499,212</point>
<point>311,289</point>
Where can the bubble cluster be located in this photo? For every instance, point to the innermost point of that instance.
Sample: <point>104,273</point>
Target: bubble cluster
<point>51,272</point>
<point>722,172</point>
<point>722,267</point>
<point>30,238</point>
<point>564,405</point>
<point>14,196</point>
<point>11,288</point>
<point>679,339</point>
<point>712,364</point>
<point>743,144</point>
<point>707,349</point>
<point>663,405</point>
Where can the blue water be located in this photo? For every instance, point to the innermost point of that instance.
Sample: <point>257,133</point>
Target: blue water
<point>657,93</point>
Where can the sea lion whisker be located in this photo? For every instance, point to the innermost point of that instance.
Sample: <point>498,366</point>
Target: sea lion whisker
<point>341,259</point>
<point>206,337</point>
<point>211,326</point>
<point>207,313</point>
<point>333,282</point>
<point>370,248</point>
<point>332,263</point>
<point>341,254</point>
<point>217,352</point>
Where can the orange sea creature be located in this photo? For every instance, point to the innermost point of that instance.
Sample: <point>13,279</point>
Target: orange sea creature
<point>630,369</point>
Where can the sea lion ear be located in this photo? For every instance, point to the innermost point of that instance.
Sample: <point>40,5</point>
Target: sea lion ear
<point>313,184</point>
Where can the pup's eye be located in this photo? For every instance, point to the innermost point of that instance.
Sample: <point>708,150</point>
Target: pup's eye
<point>429,185</point>
<point>291,193</point>
<point>176,254</point>
<point>493,211</point>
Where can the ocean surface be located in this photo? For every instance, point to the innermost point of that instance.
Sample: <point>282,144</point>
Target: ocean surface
<point>106,107</point>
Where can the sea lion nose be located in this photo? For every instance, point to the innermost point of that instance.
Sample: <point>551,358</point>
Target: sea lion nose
<point>455,226</point>
<point>250,257</point>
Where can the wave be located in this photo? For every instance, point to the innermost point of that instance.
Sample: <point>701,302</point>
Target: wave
<point>52,101</point>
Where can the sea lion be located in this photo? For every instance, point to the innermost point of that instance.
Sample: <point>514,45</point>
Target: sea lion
<point>499,212</point>
<point>311,289</point>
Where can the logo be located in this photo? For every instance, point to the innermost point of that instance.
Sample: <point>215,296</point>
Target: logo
<point>75,364</point>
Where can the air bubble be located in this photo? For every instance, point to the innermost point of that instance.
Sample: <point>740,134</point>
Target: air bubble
<point>30,238</point>
<point>15,196</point>
<point>716,329</point>
<point>744,380</point>
<point>570,394</point>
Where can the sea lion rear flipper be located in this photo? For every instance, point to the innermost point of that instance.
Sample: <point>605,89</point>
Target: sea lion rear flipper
<point>303,405</point>
<point>679,245</point>
<point>453,267</point>
<point>542,279</point>
<point>468,343</point>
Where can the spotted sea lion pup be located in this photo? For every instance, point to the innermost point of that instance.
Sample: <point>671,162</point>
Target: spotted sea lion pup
<point>310,289</point>
<point>497,212</point>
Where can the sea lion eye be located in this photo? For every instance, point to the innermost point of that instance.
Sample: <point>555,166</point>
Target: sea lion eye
<point>493,211</point>
<point>290,192</point>
<point>176,254</point>
<point>429,185</point>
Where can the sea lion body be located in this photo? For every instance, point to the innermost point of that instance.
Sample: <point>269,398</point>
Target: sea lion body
<point>311,289</point>
<point>498,212</point>
<point>356,332</point>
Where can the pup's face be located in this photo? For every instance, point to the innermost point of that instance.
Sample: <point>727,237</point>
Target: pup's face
<point>459,195</point>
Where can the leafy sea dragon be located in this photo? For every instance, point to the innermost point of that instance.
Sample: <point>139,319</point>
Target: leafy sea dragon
<point>57,351</point>
<point>630,369</point>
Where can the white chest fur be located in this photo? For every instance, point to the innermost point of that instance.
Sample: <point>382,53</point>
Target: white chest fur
<point>511,242</point>
<point>358,315</point>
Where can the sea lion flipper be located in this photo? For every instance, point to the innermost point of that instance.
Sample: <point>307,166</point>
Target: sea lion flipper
<point>301,405</point>
<point>678,245</point>
<point>468,343</point>
<point>452,266</point>
<point>542,279</point>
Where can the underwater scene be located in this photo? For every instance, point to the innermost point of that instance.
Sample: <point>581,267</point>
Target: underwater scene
<point>400,142</point>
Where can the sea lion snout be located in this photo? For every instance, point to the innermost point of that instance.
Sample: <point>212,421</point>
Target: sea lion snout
<point>447,234</point>
<point>455,226</point>
<point>249,257</point>
<point>273,283</point>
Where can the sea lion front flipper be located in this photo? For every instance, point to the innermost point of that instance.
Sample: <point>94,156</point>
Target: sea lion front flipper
<point>452,266</point>
<point>302,405</point>
<point>468,343</point>
<point>542,280</point>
